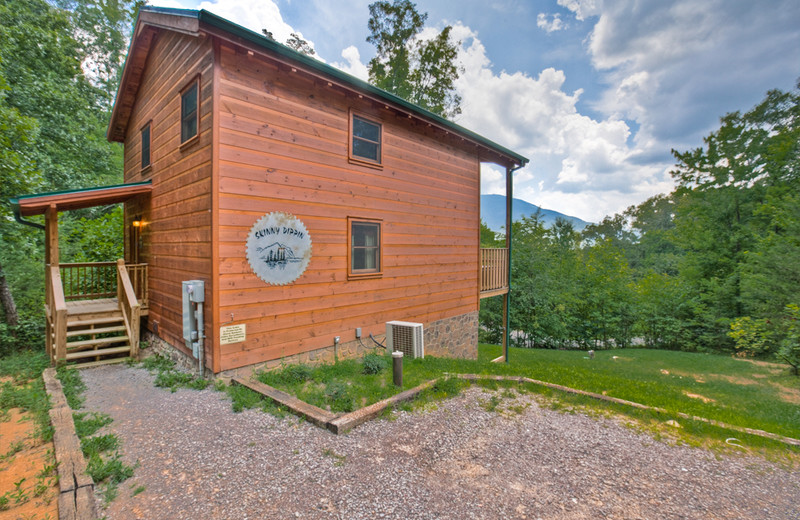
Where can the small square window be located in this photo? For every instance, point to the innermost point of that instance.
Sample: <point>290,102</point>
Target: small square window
<point>365,140</point>
<point>146,146</point>
<point>190,101</point>
<point>364,247</point>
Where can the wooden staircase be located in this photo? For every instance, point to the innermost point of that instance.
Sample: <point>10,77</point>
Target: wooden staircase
<point>89,326</point>
<point>96,333</point>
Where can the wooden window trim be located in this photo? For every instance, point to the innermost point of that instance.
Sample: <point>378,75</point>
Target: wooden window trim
<point>362,275</point>
<point>196,137</point>
<point>146,169</point>
<point>357,159</point>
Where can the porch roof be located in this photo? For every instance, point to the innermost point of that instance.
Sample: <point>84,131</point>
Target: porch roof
<point>37,203</point>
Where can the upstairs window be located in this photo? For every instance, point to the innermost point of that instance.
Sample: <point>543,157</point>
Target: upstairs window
<point>365,140</point>
<point>146,146</point>
<point>364,247</point>
<point>190,102</point>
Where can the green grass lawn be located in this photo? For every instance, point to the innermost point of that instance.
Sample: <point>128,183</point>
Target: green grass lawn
<point>738,392</point>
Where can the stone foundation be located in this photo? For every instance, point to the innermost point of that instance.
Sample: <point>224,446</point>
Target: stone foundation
<point>348,350</point>
<point>159,346</point>
<point>455,337</point>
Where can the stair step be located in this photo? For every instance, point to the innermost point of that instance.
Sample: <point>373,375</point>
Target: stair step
<point>87,332</point>
<point>90,364</point>
<point>92,342</point>
<point>74,321</point>
<point>93,353</point>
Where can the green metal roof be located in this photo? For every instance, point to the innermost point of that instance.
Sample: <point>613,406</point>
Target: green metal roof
<point>213,20</point>
<point>81,196</point>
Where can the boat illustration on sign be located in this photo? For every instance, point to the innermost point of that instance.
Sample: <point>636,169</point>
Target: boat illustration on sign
<point>277,255</point>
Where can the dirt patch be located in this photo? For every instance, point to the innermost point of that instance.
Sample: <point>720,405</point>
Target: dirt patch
<point>790,395</point>
<point>736,380</point>
<point>698,396</point>
<point>28,487</point>
<point>774,368</point>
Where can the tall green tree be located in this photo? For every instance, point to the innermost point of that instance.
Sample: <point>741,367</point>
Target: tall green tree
<point>736,217</point>
<point>53,117</point>
<point>421,71</point>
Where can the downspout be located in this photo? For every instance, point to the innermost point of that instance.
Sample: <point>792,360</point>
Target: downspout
<point>19,219</point>
<point>509,237</point>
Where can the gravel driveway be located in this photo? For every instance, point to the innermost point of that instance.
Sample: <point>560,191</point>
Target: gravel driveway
<point>199,460</point>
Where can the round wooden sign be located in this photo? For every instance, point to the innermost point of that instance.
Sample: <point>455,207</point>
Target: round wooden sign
<point>278,248</point>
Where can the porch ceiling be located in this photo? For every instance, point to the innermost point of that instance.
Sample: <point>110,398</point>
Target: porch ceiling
<point>37,203</point>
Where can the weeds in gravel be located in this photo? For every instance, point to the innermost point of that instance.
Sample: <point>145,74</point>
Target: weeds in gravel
<point>73,386</point>
<point>339,460</point>
<point>87,423</point>
<point>167,376</point>
<point>104,463</point>
<point>244,398</point>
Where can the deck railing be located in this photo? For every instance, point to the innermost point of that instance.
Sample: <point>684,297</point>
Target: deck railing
<point>138,277</point>
<point>89,281</point>
<point>494,271</point>
<point>95,280</point>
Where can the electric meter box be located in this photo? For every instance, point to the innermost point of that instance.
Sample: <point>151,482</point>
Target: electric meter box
<point>193,292</point>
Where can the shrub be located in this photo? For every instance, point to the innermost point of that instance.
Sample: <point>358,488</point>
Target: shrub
<point>339,397</point>
<point>374,363</point>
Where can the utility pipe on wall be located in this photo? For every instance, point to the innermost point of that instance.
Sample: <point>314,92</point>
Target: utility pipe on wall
<point>201,354</point>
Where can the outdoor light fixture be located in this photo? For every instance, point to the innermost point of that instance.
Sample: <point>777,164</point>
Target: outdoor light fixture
<point>137,222</point>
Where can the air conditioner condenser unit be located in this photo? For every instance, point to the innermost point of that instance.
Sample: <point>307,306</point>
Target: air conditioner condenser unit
<point>406,337</point>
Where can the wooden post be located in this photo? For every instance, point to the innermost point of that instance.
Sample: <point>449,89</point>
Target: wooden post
<point>53,325</point>
<point>507,296</point>
<point>51,235</point>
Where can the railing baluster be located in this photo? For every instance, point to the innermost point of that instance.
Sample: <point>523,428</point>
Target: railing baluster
<point>494,269</point>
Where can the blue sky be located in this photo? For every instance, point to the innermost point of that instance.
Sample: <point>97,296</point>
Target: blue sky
<point>596,93</point>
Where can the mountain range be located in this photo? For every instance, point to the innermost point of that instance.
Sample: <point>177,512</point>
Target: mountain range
<point>493,213</point>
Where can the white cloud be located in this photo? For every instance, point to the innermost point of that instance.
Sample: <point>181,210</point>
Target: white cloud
<point>354,66</point>
<point>583,9</point>
<point>676,67</point>
<point>252,14</point>
<point>543,21</point>
<point>579,165</point>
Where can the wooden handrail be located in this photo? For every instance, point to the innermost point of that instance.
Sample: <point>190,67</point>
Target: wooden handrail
<point>87,264</point>
<point>129,304</point>
<point>57,310</point>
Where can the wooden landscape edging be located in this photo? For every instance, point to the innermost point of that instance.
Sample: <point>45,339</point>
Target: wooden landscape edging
<point>742,429</point>
<point>336,423</point>
<point>339,424</point>
<point>76,488</point>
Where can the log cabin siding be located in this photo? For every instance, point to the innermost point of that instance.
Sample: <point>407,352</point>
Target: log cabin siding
<point>176,241</point>
<point>283,146</point>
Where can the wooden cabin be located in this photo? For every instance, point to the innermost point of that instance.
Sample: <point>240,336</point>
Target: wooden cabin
<point>239,138</point>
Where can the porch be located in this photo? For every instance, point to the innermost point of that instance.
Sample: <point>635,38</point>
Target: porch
<point>92,310</point>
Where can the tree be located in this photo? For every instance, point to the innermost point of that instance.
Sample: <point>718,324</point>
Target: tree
<point>53,121</point>
<point>102,28</point>
<point>421,71</point>
<point>297,43</point>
